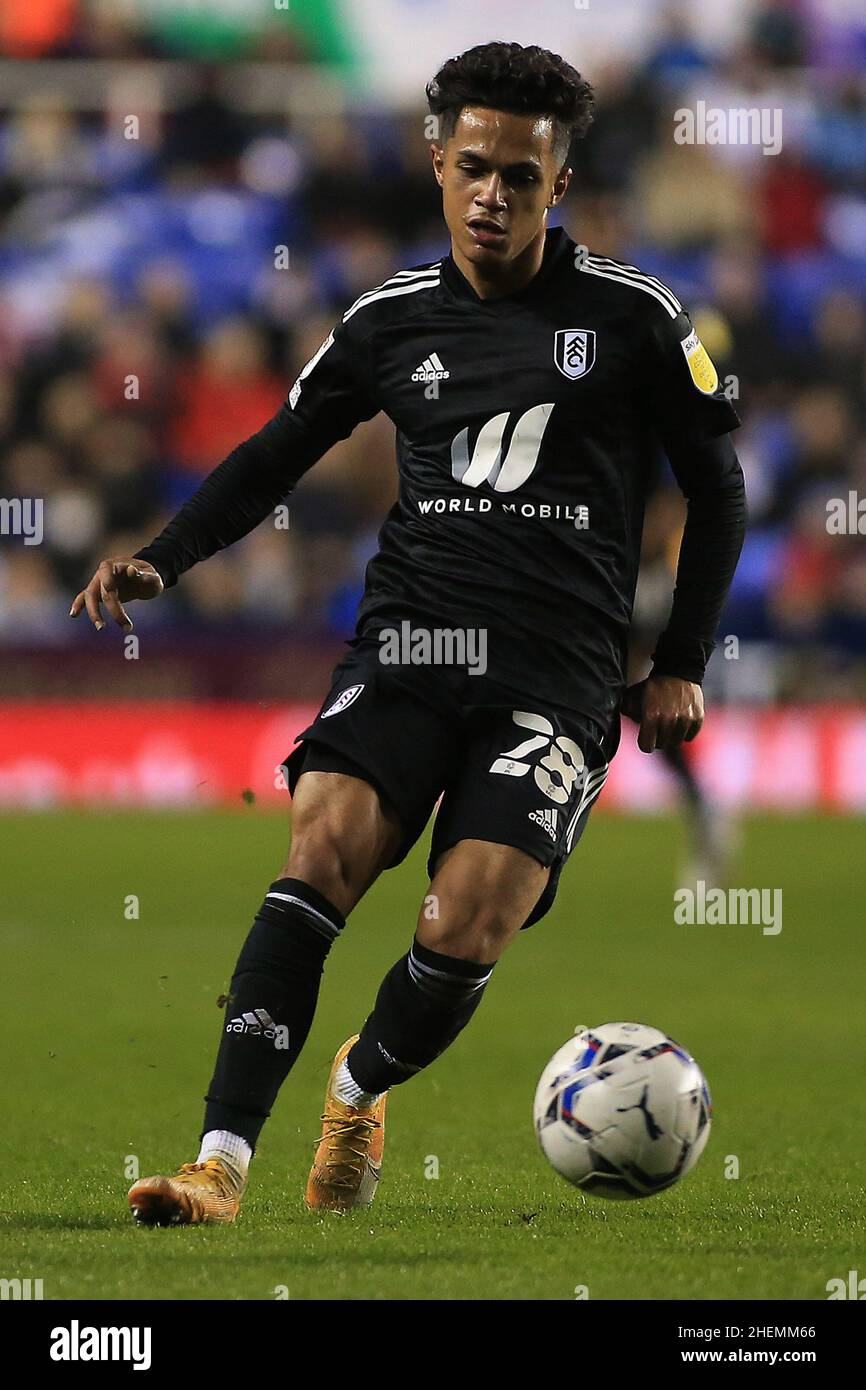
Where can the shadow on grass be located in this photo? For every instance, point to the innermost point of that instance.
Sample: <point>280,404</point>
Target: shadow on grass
<point>59,1221</point>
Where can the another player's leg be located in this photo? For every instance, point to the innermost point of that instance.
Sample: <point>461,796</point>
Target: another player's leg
<point>343,836</point>
<point>483,894</point>
<point>708,826</point>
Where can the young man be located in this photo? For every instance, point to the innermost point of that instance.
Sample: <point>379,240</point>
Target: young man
<point>529,383</point>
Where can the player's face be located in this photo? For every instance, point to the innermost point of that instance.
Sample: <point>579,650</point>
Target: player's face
<point>498,175</point>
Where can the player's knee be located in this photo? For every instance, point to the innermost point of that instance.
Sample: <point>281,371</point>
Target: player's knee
<point>319,856</point>
<point>470,929</point>
<point>479,899</point>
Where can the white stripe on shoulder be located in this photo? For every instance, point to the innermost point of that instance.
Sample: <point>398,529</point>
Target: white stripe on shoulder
<point>404,280</point>
<point>624,278</point>
<point>635,273</point>
<point>314,361</point>
<point>409,275</point>
<point>399,277</point>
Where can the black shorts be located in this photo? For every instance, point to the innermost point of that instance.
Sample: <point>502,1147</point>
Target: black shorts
<point>508,770</point>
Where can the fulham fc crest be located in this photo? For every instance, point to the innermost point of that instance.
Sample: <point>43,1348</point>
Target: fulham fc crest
<point>343,701</point>
<point>574,351</point>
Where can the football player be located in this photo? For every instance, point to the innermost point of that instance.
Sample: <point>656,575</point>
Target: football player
<point>529,382</point>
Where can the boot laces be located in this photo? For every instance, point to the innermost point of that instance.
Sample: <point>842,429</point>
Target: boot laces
<point>361,1130</point>
<point>212,1167</point>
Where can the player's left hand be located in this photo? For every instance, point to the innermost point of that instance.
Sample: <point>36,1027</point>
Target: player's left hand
<point>670,711</point>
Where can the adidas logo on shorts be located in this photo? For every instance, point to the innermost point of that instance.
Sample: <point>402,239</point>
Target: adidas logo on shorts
<point>548,820</point>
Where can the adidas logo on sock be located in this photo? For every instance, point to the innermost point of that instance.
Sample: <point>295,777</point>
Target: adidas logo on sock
<point>256,1022</point>
<point>431,369</point>
<point>548,820</point>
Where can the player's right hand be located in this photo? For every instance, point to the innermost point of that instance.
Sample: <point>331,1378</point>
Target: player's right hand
<point>115,583</point>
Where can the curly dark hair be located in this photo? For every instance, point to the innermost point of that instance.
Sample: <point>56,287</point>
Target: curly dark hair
<point>509,77</point>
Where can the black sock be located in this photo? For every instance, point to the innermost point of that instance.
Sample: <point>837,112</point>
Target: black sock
<point>424,1001</point>
<point>682,770</point>
<point>271,1003</point>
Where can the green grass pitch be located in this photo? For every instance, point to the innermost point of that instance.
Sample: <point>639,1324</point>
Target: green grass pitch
<point>110,1027</point>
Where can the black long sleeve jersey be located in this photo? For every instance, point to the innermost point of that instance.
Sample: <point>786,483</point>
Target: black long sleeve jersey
<point>527,428</point>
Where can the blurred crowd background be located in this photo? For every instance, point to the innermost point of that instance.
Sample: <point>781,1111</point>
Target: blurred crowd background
<point>158,258</point>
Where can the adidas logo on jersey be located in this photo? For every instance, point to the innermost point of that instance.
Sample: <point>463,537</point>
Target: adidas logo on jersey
<point>431,369</point>
<point>548,820</point>
<point>258,1021</point>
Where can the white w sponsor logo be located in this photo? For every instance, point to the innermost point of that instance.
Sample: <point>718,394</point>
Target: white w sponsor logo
<point>504,471</point>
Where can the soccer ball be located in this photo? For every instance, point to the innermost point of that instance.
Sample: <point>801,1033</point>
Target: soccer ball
<point>622,1110</point>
